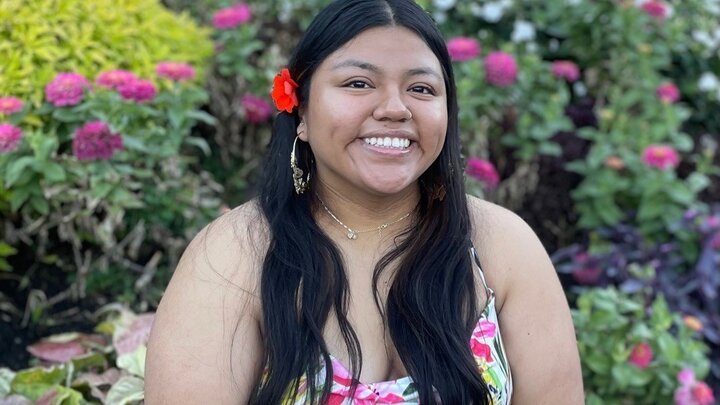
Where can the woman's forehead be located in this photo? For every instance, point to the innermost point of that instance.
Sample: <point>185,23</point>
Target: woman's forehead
<point>385,48</point>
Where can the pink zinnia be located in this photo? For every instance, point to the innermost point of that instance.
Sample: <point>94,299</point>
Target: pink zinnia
<point>660,156</point>
<point>484,171</point>
<point>256,109</point>
<point>112,79</point>
<point>655,9</point>
<point>231,17</point>
<point>10,136</point>
<point>501,70</point>
<point>668,93</point>
<point>463,48</point>
<point>10,105</point>
<point>138,90</point>
<point>66,89</point>
<point>175,71</point>
<point>564,69</point>
<point>641,355</point>
<point>692,392</point>
<point>94,141</point>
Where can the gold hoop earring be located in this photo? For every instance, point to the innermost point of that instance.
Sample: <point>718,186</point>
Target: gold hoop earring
<point>300,184</point>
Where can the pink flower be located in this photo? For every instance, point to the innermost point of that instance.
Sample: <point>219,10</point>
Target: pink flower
<point>481,350</point>
<point>655,9</point>
<point>138,90</point>
<point>501,70</point>
<point>175,71</point>
<point>641,355</point>
<point>231,17</point>
<point>484,171</point>
<point>66,89</point>
<point>94,141</point>
<point>485,329</point>
<point>660,156</point>
<point>463,48</point>
<point>668,93</point>
<point>692,392</point>
<point>10,136</point>
<point>256,109</point>
<point>564,69</point>
<point>10,105</point>
<point>112,79</point>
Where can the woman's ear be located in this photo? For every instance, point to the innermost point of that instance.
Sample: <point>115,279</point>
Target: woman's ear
<point>302,128</point>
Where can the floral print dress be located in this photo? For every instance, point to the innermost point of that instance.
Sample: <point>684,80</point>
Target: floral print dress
<point>487,348</point>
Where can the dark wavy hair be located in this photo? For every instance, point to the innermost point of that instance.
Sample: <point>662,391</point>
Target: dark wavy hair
<point>431,308</point>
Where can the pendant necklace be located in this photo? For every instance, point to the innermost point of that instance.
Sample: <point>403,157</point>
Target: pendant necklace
<point>352,234</point>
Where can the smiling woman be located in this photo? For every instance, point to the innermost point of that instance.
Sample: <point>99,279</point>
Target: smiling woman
<point>355,275</point>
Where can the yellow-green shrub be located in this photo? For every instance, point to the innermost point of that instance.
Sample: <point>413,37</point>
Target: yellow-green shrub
<point>39,38</point>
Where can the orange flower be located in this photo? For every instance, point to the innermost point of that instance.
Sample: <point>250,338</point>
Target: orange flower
<point>283,92</point>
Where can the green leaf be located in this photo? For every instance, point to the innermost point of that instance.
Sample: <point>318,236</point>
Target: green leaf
<point>40,204</point>
<point>134,362</point>
<point>16,168</point>
<point>6,250</point>
<point>200,143</point>
<point>200,115</point>
<point>6,376</point>
<point>126,391</point>
<point>53,172</point>
<point>34,382</point>
<point>18,197</point>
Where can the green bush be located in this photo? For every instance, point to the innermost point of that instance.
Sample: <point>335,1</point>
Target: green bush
<point>40,38</point>
<point>610,328</point>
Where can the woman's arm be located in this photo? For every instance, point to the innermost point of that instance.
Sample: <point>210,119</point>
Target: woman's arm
<point>205,346</point>
<point>534,317</point>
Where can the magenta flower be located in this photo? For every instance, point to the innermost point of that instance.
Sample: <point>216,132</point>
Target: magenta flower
<point>256,109</point>
<point>660,156</point>
<point>501,70</point>
<point>692,392</point>
<point>463,48</point>
<point>10,136</point>
<point>668,93</point>
<point>483,171</point>
<point>94,141</point>
<point>655,9</point>
<point>112,79</point>
<point>66,89</point>
<point>175,71</point>
<point>564,69</point>
<point>138,90</point>
<point>231,17</point>
<point>641,355</point>
<point>10,105</point>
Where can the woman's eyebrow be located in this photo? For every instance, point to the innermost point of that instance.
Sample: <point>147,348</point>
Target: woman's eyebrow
<point>419,71</point>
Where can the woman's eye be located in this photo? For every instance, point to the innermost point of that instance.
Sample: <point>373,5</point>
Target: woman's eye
<point>423,90</point>
<point>357,84</point>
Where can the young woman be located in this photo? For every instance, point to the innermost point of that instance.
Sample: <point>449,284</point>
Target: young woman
<point>355,277</point>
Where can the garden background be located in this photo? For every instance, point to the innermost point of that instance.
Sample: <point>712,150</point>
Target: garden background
<point>127,125</point>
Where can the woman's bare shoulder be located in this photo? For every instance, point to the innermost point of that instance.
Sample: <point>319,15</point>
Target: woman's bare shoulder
<point>206,340</point>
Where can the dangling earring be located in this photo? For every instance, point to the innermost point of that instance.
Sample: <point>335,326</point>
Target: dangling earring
<point>300,184</point>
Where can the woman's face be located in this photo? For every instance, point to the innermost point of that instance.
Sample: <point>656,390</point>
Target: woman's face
<point>376,117</point>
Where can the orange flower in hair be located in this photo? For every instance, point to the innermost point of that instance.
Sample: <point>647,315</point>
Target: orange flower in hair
<point>283,92</point>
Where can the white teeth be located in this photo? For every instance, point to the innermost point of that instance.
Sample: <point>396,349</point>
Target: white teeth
<point>387,142</point>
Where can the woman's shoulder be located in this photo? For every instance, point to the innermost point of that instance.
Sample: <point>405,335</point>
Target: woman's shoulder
<point>507,246</point>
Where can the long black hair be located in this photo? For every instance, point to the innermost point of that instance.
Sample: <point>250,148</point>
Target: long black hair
<point>431,308</point>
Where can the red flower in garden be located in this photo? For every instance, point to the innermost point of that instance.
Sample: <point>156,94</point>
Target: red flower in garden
<point>668,93</point>
<point>10,105</point>
<point>66,89</point>
<point>463,48</point>
<point>231,17</point>
<point>10,136</point>
<point>94,141</point>
<point>283,91</point>
<point>641,355</point>
<point>660,156</point>
<point>656,9</point>
<point>565,69</point>
<point>255,108</point>
<point>484,171</point>
<point>501,70</point>
<point>175,71</point>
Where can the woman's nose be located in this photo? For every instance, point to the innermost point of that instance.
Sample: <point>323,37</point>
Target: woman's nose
<point>392,108</point>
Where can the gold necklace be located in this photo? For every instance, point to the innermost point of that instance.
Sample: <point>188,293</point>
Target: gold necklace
<point>352,233</point>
